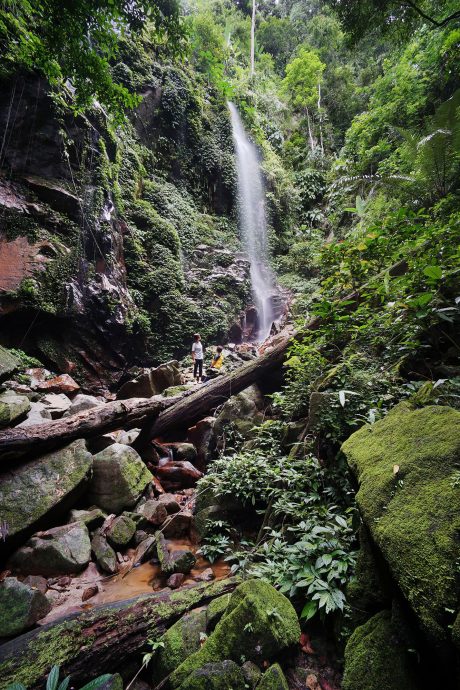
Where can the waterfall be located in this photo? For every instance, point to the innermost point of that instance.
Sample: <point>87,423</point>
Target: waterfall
<point>252,218</point>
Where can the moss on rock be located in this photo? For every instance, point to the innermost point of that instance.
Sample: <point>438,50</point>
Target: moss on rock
<point>258,623</point>
<point>407,465</point>
<point>273,679</point>
<point>180,641</point>
<point>223,675</point>
<point>376,658</point>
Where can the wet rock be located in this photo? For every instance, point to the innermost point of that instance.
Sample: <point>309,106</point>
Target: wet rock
<point>182,451</point>
<point>121,531</point>
<point>220,675</point>
<point>56,195</point>
<point>175,580</point>
<point>206,576</point>
<point>170,503</point>
<point>21,606</point>
<point>251,673</point>
<point>202,437</point>
<point>252,602</point>
<point>38,414</point>
<point>82,402</point>
<point>40,380</point>
<point>273,679</point>
<point>89,592</point>
<point>119,478</point>
<point>8,363</point>
<point>151,382</point>
<point>58,551</point>
<point>92,518</point>
<point>204,517</point>
<point>12,407</point>
<point>175,561</point>
<point>154,512</point>
<point>181,640</point>
<point>178,525</point>
<point>127,437</point>
<point>147,549</point>
<point>178,474</point>
<point>104,554</point>
<point>43,486</point>
<point>140,535</point>
<point>56,404</point>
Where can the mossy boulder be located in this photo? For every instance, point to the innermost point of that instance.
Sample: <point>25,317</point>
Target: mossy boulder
<point>21,606</point>
<point>409,497</point>
<point>12,407</point>
<point>175,561</point>
<point>258,623</point>
<point>45,485</point>
<point>273,679</point>
<point>216,610</point>
<point>119,478</point>
<point>243,411</point>
<point>92,518</point>
<point>59,551</point>
<point>121,531</point>
<point>376,658</point>
<point>104,554</point>
<point>8,363</point>
<point>180,641</point>
<point>223,675</point>
<point>251,673</point>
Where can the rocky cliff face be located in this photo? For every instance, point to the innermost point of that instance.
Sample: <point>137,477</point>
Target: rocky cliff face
<point>117,244</point>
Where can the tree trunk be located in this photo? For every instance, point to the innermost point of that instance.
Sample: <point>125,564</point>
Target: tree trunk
<point>310,133</point>
<point>320,118</point>
<point>127,414</point>
<point>101,640</point>
<point>253,31</point>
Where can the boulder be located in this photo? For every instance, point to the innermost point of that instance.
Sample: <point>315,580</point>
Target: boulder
<point>38,414</point>
<point>177,561</point>
<point>82,402</point>
<point>8,363</point>
<point>216,610</point>
<point>44,486</point>
<point>206,576</point>
<point>119,478</point>
<point>169,502</point>
<point>203,519</point>
<point>121,531</point>
<point>273,679</point>
<point>145,550</point>
<point>178,525</point>
<point>175,580</point>
<point>40,380</point>
<point>273,629</point>
<point>376,658</point>
<point>92,518</point>
<point>21,606</point>
<point>154,512</point>
<point>180,641</point>
<point>242,411</point>
<point>56,404</point>
<point>104,554</point>
<point>202,437</point>
<point>178,474</point>
<point>59,551</point>
<point>36,582</point>
<point>172,391</point>
<point>182,451</point>
<point>222,675</point>
<point>251,673</point>
<point>151,382</point>
<point>12,407</point>
<point>407,469</point>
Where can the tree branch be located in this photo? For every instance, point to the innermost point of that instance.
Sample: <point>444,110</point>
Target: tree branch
<point>437,24</point>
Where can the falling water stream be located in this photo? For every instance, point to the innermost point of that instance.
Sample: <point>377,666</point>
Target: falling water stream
<point>251,202</point>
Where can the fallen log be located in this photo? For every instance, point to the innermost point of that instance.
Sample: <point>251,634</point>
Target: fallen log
<point>101,640</point>
<point>127,414</point>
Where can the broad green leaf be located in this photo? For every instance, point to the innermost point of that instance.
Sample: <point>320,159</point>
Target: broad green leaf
<point>53,678</point>
<point>97,682</point>
<point>433,272</point>
<point>309,610</point>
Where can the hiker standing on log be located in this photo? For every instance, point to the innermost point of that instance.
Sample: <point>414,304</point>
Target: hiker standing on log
<point>197,356</point>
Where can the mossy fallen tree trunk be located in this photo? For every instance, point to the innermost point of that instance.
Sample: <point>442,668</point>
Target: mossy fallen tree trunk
<point>127,414</point>
<point>101,640</point>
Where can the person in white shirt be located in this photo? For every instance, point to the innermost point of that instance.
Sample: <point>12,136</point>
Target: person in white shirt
<point>197,356</point>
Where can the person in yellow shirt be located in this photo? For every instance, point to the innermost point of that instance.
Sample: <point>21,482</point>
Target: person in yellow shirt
<point>216,364</point>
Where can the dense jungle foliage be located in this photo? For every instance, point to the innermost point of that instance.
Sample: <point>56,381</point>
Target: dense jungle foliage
<point>355,108</point>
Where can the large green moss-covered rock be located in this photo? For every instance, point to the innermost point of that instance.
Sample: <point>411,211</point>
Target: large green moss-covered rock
<point>409,497</point>
<point>119,478</point>
<point>224,675</point>
<point>259,622</point>
<point>21,606</point>
<point>47,484</point>
<point>12,407</point>
<point>121,531</point>
<point>376,658</point>
<point>273,679</point>
<point>180,641</point>
<point>8,362</point>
